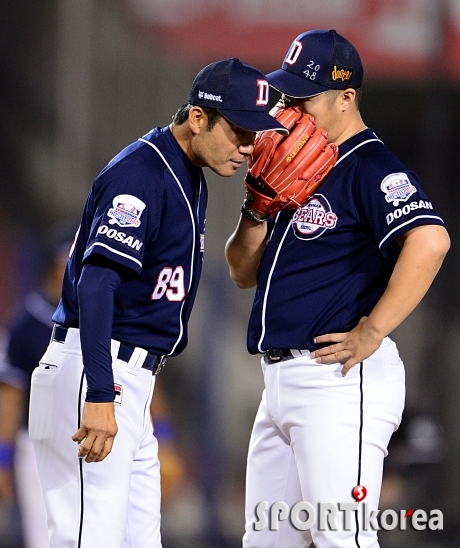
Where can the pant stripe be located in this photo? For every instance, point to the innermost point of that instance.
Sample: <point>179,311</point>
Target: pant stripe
<point>360,448</point>
<point>80,531</point>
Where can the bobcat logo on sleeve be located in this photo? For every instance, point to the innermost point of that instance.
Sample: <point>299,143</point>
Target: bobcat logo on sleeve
<point>126,211</point>
<point>397,188</point>
<point>313,218</point>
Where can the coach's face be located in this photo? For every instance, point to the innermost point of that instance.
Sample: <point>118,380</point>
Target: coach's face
<point>223,148</point>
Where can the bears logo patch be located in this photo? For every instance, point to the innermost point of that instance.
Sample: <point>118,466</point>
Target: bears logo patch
<point>313,218</point>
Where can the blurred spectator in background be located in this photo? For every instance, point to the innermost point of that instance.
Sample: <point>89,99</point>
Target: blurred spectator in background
<point>28,336</point>
<point>416,455</point>
<point>171,464</point>
<point>413,452</point>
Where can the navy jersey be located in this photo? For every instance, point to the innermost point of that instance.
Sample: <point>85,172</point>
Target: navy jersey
<point>146,212</point>
<point>327,264</point>
<point>27,338</point>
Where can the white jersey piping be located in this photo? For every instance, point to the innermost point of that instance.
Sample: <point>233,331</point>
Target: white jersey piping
<point>408,223</point>
<point>194,235</point>
<point>113,251</point>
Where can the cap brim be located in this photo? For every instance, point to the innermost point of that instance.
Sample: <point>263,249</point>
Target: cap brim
<point>293,85</point>
<point>253,121</point>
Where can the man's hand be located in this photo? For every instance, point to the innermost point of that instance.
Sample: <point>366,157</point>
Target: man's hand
<point>350,348</point>
<point>97,431</point>
<point>422,251</point>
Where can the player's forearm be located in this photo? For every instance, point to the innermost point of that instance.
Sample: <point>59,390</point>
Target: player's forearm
<point>96,290</point>
<point>243,251</point>
<point>422,254</point>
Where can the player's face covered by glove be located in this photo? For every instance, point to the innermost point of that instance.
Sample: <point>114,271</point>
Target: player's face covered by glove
<point>285,170</point>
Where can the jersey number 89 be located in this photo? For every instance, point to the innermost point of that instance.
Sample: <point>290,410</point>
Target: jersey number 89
<point>171,283</point>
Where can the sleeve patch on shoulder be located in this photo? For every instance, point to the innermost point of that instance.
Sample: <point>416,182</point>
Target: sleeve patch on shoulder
<point>397,188</point>
<point>126,211</point>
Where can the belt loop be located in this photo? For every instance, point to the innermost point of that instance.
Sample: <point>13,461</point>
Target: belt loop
<point>136,360</point>
<point>52,333</point>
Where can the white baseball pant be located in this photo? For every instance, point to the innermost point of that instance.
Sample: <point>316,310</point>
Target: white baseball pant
<point>30,498</point>
<point>316,436</point>
<point>115,502</point>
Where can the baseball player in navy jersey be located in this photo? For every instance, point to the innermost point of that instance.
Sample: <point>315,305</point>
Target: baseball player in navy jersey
<point>127,295</point>
<point>333,279</point>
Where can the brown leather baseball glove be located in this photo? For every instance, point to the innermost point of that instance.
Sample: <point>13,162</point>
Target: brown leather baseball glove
<point>285,170</point>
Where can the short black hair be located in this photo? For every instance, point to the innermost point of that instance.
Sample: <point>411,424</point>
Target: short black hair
<point>181,116</point>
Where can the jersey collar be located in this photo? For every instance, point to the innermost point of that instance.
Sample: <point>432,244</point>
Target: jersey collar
<point>190,166</point>
<point>356,140</point>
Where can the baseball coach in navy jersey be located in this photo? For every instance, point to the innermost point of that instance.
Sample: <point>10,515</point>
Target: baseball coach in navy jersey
<point>333,279</point>
<point>128,291</point>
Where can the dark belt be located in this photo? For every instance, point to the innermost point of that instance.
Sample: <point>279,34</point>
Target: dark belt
<point>152,362</point>
<point>277,354</point>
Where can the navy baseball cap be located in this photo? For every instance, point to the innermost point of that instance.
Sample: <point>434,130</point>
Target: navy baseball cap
<point>239,92</point>
<point>318,60</point>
